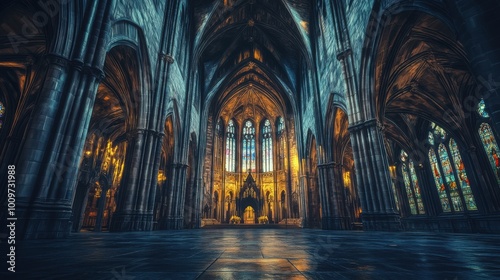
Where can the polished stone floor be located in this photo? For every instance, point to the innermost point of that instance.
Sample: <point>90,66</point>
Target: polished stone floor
<point>261,254</point>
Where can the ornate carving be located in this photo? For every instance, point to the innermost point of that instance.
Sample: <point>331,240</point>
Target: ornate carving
<point>343,54</point>
<point>167,58</point>
<point>57,60</point>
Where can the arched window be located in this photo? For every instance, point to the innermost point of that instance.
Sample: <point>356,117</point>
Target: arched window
<point>267,147</point>
<point>491,148</point>
<point>281,135</point>
<point>449,177</point>
<point>248,156</point>
<point>231,148</point>
<point>411,185</point>
<point>2,113</point>
<point>218,140</point>
<point>462,176</point>
<point>443,197</point>
<point>481,109</point>
<point>489,141</point>
<point>449,172</point>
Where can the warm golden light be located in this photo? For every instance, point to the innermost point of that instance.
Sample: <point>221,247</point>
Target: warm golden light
<point>257,55</point>
<point>305,25</point>
<point>161,176</point>
<point>392,170</point>
<point>347,179</point>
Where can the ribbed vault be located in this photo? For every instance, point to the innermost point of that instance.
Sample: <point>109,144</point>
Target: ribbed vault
<point>421,69</point>
<point>254,42</point>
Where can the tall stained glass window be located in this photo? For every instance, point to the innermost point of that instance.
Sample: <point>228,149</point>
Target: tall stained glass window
<point>218,140</point>
<point>438,179</point>
<point>267,147</point>
<point>248,153</point>
<point>281,142</point>
<point>231,147</point>
<point>411,185</point>
<point>489,141</point>
<point>416,188</point>
<point>2,113</point>
<point>449,172</point>
<point>470,202</point>
<point>449,177</point>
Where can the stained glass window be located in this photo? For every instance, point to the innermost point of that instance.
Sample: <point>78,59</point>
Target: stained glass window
<point>282,143</point>
<point>416,188</point>
<point>267,147</point>
<point>450,178</point>
<point>218,142</point>
<point>462,176</point>
<point>395,195</point>
<point>438,132</point>
<point>248,155</point>
<point>481,109</point>
<point>409,191</point>
<point>449,173</point>
<point>430,137</point>
<point>411,185</point>
<point>2,113</point>
<point>491,148</point>
<point>231,147</point>
<point>281,125</point>
<point>443,197</point>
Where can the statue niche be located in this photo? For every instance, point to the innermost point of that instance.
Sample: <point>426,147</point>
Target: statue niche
<point>249,202</point>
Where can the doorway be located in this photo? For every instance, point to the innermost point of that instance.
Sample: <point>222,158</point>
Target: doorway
<point>249,215</point>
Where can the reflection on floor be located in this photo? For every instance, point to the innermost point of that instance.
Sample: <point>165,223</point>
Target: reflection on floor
<point>261,254</point>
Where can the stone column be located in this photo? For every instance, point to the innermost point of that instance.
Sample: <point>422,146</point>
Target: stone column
<point>136,192</point>
<point>50,157</point>
<point>303,196</point>
<point>333,203</point>
<point>198,204</point>
<point>39,133</point>
<point>339,197</point>
<point>327,212</point>
<point>373,178</point>
<point>174,216</point>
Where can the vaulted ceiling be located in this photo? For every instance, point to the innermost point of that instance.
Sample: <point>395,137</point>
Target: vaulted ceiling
<point>254,42</point>
<point>423,74</point>
<point>115,109</point>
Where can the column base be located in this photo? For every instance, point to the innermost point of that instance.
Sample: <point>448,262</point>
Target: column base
<point>381,222</point>
<point>44,221</point>
<point>132,222</point>
<point>335,223</point>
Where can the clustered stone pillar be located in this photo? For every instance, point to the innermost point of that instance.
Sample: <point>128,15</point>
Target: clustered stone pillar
<point>50,156</point>
<point>332,198</point>
<point>175,211</point>
<point>373,178</point>
<point>136,194</point>
<point>303,180</point>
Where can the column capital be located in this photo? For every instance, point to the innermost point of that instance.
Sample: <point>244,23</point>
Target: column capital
<point>343,54</point>
<point>365,125</point>
<point>57,60</point>
<point>328,164</point>
<point>94,71</point>
<point>167,58</point>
